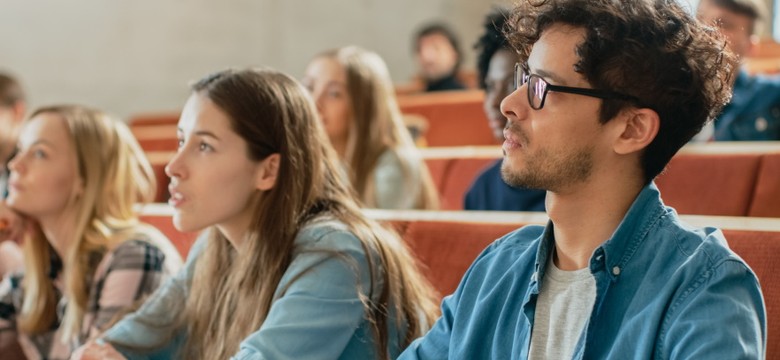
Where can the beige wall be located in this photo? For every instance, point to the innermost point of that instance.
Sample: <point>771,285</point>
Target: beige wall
<point>138,55</point>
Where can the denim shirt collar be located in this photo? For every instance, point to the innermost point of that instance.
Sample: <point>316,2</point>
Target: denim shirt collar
<point>613,255</point>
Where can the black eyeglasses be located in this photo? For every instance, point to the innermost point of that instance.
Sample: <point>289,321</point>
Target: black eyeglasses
<point>538,88</point>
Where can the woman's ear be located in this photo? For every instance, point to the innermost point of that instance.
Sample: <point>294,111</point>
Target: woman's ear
<point>78,188</point>
<point>267,171</point>
<point>638,129</point>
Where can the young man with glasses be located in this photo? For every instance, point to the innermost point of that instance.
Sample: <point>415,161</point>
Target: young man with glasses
<point>608,92</point>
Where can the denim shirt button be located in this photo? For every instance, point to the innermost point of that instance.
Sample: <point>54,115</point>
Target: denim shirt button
<point>616,271</point>
<point>534,276</point>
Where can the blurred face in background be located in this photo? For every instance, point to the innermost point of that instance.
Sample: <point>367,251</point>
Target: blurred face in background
<point>499,82</point>
<point>436,56</point>
<point>44,173</point>
<point>326,79</point>
<point>11,116</point>
<point>738,28</point>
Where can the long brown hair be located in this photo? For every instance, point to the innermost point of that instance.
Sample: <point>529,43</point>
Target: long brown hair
<point>378,126</point>
<point>115,176</point>
<point>274,114</point>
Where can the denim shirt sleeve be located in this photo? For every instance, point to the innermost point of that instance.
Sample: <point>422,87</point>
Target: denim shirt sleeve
<point>320,311</point>
<point>720,316</point>
<point>436,343</point>
<point>143,334</point>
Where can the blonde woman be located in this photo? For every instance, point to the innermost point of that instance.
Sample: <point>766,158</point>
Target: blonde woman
<point>75,179</point>
<point>289,267</point>
<point>356,102</point>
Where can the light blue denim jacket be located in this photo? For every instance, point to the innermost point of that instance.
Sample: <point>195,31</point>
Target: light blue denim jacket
<point>318,317</point>
<point>664,290</point>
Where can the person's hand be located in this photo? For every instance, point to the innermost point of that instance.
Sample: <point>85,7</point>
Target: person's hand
<point>96,350</point>
<point>12,225</point>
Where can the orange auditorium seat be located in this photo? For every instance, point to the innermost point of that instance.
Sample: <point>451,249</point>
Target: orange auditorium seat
<point>766,196</point>
<point>455,118</point>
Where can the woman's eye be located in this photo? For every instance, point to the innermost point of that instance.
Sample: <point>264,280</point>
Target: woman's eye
<point>205,147</point>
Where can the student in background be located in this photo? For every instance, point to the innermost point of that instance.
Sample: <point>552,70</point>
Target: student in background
<point>496,64</point>
<point>13,106</point>
<point>289,267</point>
<point>608,91</point>
<point>754,110</point>
<point>437,50</point>
<point>76,178</point>
<point>356,103</point>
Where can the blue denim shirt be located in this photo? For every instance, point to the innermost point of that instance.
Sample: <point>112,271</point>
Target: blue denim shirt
<point>754,111</point>
<point>663,291</point>
<point>319,315</point>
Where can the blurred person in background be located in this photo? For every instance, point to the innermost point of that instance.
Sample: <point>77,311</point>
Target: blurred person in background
<point>357,106</point>
<point>496,64</point>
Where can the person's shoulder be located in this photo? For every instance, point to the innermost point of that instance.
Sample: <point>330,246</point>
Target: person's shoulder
<point>765,86</point>
<point>327,233</point>
<point>136,252</point>
<point>702,247</point>
<point>520,243</point>
<point>521,238</point>
<point>486,179</point>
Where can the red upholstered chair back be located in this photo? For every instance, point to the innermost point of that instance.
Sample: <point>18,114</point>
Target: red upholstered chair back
<point>455,118</point>
<point>710,184</point>
<point>766,196</point>
<point>760,249</point>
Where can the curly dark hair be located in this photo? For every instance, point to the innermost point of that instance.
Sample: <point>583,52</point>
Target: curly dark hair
<point>651,50</point>
<point>493,40</point>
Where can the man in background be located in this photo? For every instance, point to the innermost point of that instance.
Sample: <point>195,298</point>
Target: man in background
<point>496,64</point>
<point>13,107</point>
<point>438,57</point>
<point>754,111</point>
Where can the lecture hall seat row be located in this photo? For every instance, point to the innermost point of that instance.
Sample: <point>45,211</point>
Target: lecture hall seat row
<point>447,242</point>
<point>727,179</point>
<point>451,118</point>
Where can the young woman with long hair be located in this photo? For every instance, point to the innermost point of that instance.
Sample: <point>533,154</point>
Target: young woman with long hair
<point>76,179</point>
<point>357,105</point>
<point>288,267</point>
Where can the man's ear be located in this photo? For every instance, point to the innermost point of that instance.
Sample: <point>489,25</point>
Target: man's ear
<point>637,130</point>
<point>267,171</point>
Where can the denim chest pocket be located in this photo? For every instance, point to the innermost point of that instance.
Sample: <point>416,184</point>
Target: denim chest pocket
<point>763,125</point>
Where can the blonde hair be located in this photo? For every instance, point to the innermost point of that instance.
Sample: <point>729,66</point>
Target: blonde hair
<point>378,126</point>
<point>115,176</point>
<point>274,114</point>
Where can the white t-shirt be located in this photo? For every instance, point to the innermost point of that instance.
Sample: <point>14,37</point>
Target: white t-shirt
<point>563,308</point>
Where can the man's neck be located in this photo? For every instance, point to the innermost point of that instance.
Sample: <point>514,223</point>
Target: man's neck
<point>587,216</point>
